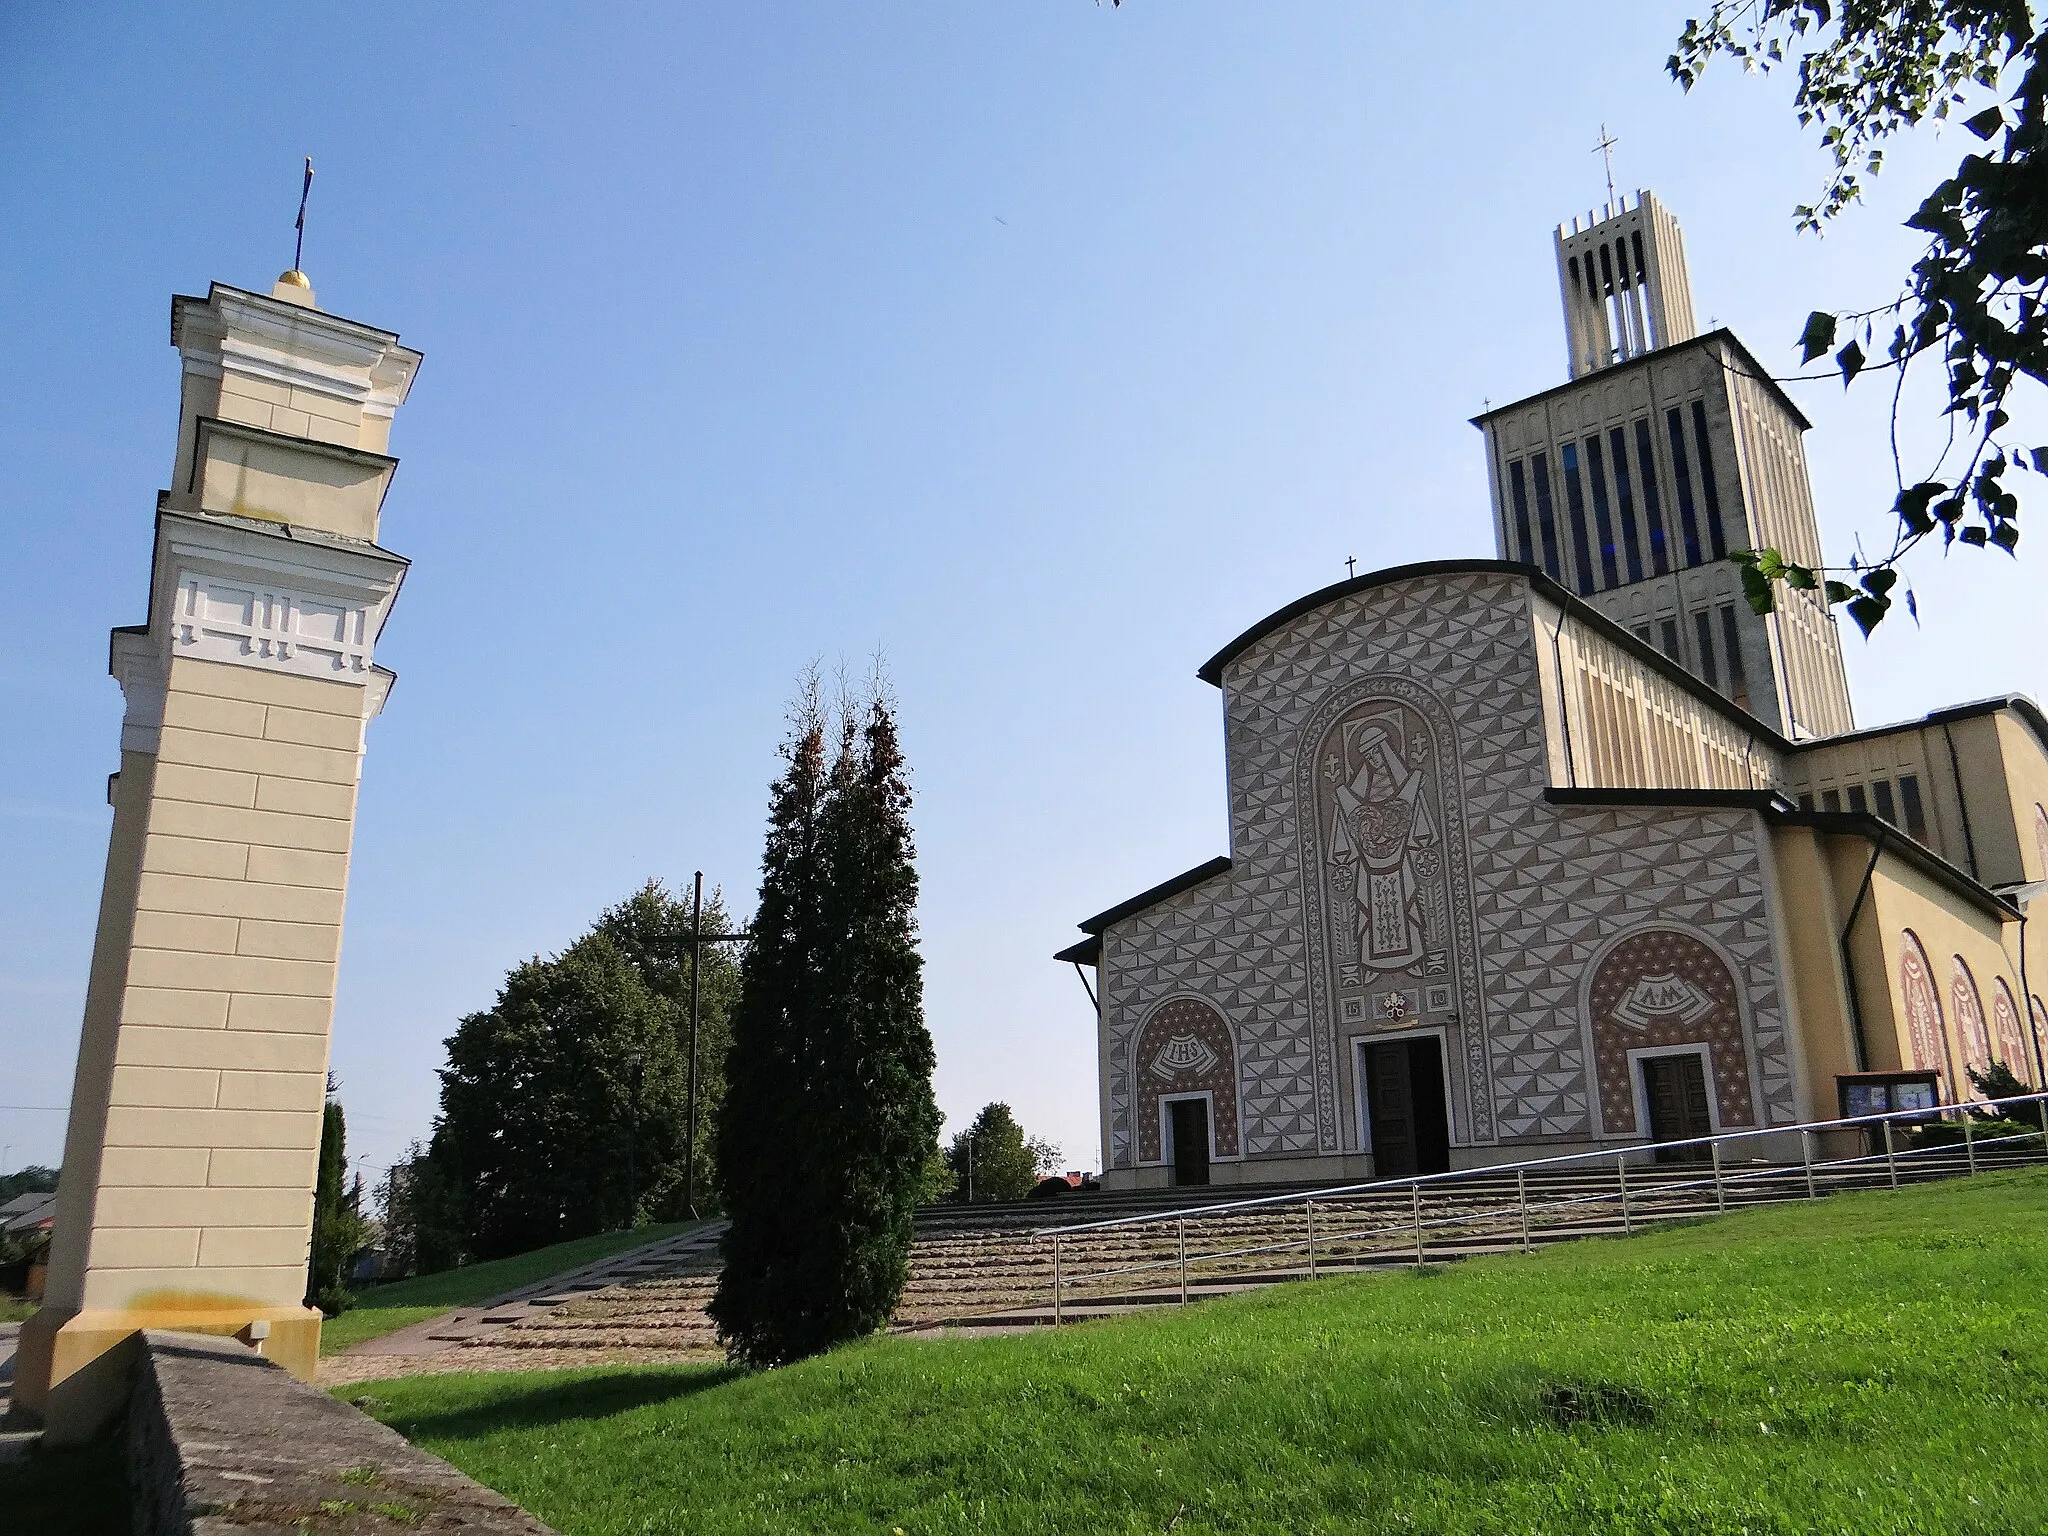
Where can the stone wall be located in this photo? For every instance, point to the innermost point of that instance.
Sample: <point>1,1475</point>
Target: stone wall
<point>222,1440</point>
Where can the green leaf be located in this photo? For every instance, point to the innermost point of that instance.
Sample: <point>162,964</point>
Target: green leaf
<point>1879,583</point>
<point>1801,578</point>
<point>1839,592</point>
<point>1818,336</point>
<point>1973,535</point>
<point>1850,361</point>
<point>1986,123</point>
<point>1868,612</point>
<point>1911,506</point>
<point>1756,588</point>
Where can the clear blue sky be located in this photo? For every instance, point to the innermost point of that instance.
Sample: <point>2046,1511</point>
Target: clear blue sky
<point>1042,346</point>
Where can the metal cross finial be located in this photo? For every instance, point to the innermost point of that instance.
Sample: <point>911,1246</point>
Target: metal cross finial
<point>1351,567</point>
<point>1605,149</point>
<point>305,191</point>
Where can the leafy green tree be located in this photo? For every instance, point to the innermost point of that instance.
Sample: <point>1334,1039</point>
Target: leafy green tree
<point>651,928</point>
<point>827,1131</point>
<point>995,1160</point>
<point>339,1230</point>
<point>419,1216</point>
<point>562,1107</point>
<point>1975,305</point>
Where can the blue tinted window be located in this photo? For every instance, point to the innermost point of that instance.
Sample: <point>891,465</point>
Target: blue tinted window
<point>1625,504</point>
<point>1546,520</point>
<point>1653,508</point>
<point>1708,494</point>
<point>1576,501</point>
<point>1519,494</point>
<point>1688,524</point>
<point>1603,523</point>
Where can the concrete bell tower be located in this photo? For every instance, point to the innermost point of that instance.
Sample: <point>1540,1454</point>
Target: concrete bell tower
<point>1630,484</point>
<point>189,1159</point>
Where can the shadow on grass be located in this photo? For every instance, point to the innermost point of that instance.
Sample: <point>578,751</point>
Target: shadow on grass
<point>549,1403</point>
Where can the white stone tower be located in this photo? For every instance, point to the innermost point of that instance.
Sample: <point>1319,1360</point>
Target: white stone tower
<point>1631,484</point>
<point>195,1123</point>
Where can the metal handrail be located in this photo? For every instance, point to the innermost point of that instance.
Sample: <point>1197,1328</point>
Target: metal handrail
<point>1490,1170</point>
<point>1719,1179</point>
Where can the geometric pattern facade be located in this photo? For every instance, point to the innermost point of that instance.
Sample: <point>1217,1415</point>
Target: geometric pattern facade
<point>1543,891</point>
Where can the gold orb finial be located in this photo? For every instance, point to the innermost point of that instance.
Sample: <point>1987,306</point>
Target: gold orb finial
<point>297,279</point>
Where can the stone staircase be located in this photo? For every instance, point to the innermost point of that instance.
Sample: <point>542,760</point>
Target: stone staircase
<point>991,1267</point>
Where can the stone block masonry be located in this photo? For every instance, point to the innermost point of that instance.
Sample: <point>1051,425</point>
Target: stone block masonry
<point>222,1441</point>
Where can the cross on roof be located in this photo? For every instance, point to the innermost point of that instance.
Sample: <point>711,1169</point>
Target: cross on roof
<point>1605,149</point>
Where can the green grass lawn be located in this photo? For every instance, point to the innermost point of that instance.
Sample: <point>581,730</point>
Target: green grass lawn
<point>385,1309</point>
<point>1872,1363</point>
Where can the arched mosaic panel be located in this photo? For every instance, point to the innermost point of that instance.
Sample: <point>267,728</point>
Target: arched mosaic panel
<point>1387,884</point>
<point>1922,1006</point>
<point>1973,1035</point>
<point>1186,1047</point>
<point>2008,1035</point>
<point>1665,987</point>
<point>2041,837</point>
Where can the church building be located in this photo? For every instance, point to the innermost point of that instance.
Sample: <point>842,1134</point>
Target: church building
<point>1568,848</point>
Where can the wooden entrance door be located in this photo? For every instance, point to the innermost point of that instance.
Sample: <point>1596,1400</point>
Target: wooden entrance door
<point>1404,1106</point>
<point>1676,1087</point>
<point>1190,1118</point>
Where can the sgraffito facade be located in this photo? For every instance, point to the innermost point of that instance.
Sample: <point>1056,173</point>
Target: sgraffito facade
<point>1561,849</point>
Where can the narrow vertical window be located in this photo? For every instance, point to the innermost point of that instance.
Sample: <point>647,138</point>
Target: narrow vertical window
<point>1519,492</point>
<point>1717,537</point>
<point>1670,638</point>
<point>1546,518</point>
<point>1704,633</point>
<point>1909,802</point>
<point>1881,791</point>
<point>1653,502</point>
<point>1806,801</point>
<point>1642,633</point>
<point>1603,524</point>
<point>1625,503</point>
<point>1831,800</point>
<point>1738,680</point>
<point>1857,802</point>
<point>1576,501</point>
<point>1688,524</point>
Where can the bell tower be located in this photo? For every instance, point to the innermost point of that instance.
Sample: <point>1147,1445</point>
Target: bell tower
<point>1666,450</point>
<point>196,1107</point>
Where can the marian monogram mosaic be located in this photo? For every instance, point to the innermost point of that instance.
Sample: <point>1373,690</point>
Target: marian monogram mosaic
<point>1662,988</point>
<point>1185,1047</point>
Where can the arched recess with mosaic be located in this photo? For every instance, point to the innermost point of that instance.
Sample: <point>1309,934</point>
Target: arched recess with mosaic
<point>1921,1006</point>
<point>1387,890</point>
<point>2041,837</point>
<point>1973,1035</point>
<point>2008,1035</point>
<point>1186,1046</point>
<point>1666,987</point>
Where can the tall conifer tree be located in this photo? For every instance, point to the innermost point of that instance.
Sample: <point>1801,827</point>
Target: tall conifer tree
<point>829,1121</point>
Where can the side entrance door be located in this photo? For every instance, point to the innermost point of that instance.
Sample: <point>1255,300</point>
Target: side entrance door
<point>1404,1106</point>
<point>1190,1123</point>
<point>1676,1088</point>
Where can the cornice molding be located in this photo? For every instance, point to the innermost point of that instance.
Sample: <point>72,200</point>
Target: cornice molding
<point>278,601</point>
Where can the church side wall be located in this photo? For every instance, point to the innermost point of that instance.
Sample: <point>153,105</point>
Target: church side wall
<point>1515,902</point>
